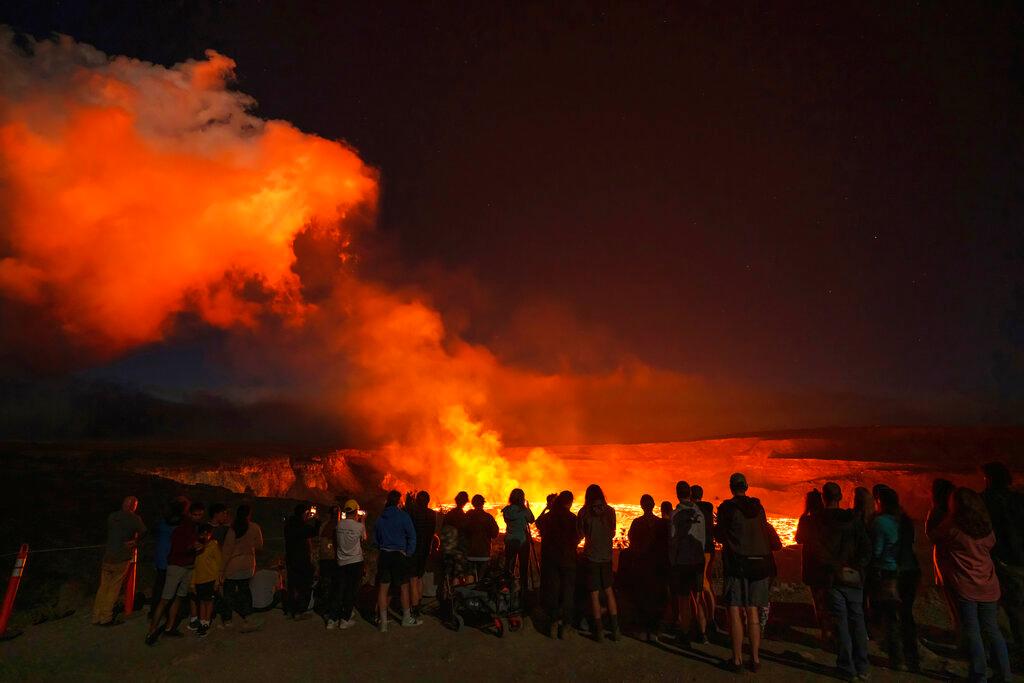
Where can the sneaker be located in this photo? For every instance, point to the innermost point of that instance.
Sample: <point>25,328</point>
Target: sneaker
<point>382,626</point>
<point>193,624</point>
<point>331,624</point>
<point>411,621</point>
<point>346,623</point>
<point>202,631</point>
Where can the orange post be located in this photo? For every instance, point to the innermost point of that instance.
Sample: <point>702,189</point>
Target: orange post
<point>12,589</point>
<point>129,584</point>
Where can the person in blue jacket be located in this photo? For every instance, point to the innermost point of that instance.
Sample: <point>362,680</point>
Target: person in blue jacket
<point>395,536</point>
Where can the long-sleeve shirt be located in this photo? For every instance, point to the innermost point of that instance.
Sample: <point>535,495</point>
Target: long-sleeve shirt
<point>885,540</point>
<point>517,518</point>
<point>240,553</point>
<point>394,531</point>
<point>966,562</point>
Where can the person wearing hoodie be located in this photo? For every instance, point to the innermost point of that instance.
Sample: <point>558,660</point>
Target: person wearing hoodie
<point>649,548</point>
<point>966,540</point>
<point>742,529</point>
<point>597,526</point>
<point>883,576</point>
<point>687,539</point>
<point>518,518</point>
<point>396,538</point>
<point>840,554</point>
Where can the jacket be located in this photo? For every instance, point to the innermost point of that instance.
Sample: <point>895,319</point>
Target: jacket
<point>240,553</point>
<point>597,526</point>
<point>687,535</point>
<point>885,542</point>
<point>741,529</point>
<point>559,537</point>
<point>479,529</point>
<point>967,567</point>
<point>517,522</point>
<point>394,531</point>
<point>842,542</point>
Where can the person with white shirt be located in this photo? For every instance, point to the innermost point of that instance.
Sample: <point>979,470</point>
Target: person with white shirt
<point>350,534</point>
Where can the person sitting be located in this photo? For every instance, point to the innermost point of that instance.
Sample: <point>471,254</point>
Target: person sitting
<point>687,540</point>
<point>597,526</point>
<point>396,538</point>
<point>124,528</point>
<point>966,540</point>
<point>839,548</point>
<point>206,577</point>
<point>518,518</point>
<point>741,528</point>
<point>559,534</point>
<point>479,530</point>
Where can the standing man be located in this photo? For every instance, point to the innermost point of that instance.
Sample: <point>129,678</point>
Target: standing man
<point>687,539</point>
<point>124,528</point>
<point>298,558</point>
<point>424,521</point>
<point>1006,509</point>
<point>396,538</point>
<point>180,562</point>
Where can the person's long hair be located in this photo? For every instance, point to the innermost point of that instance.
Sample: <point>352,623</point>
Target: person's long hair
<point>970,514</point>
<point>942,489</point>
<point>240,525</point>
<point>813,502</point>
<point>593,496</point>
<point>862,503</point>
<point>517,497</point>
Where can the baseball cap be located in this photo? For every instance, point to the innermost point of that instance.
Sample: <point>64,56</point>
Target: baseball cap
<point>351,505</point>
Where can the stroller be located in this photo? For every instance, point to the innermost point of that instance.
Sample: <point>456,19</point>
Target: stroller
<point>487,597</point>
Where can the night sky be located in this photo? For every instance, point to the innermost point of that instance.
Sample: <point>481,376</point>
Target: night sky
<point>815,198</point>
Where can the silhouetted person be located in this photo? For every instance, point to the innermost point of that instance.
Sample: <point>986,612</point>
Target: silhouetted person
<point>741,528</point>
<point>666,509</point>
<point>124,528</point>
<point>909,582</point>
<point>687,539</point>
<point>298,550</point>
<point>815,575</point>
<point>453,523</point>
<point>942,492</point>
<point>884,574</point>
<point>1006,510</point>
<point>645,545</point>
<point>560,536</point>
<point>966,540</point>
<point>518,518</point>
<point>424,521</point>
<point>597,526</point>
<point>480,529</point>
<point>244,539</point>
<point>180,561</point>
<point>842,550</point>
<point>326,562</point>
<point>396,538</point>
<point>708,596</point>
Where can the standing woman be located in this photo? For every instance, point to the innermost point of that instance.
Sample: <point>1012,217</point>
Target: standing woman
<point>813,573</point>
<point>597,526</point>
<point>942,491</point>
<point>327,563</point>
<point>883,574</point>
<point>965,540</point>
<point>518,518</point>
<point>241,544</point>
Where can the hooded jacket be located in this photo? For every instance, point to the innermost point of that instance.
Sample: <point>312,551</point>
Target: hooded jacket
<point>394,531</point>
<point>741,531</point>
<point>480,528</point>
<point>559,536</point>
<point>842,542</point>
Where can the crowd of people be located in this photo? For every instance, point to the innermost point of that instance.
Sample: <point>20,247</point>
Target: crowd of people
<point>860,563</point>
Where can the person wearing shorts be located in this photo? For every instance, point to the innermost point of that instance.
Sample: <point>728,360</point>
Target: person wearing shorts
<point>599,576</point>
<point>180,560</point>
<point>596,524</point>
<point>687,538</point>
<point>396,538</point>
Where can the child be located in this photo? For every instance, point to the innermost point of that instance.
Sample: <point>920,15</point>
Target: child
<point>206,577</point>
